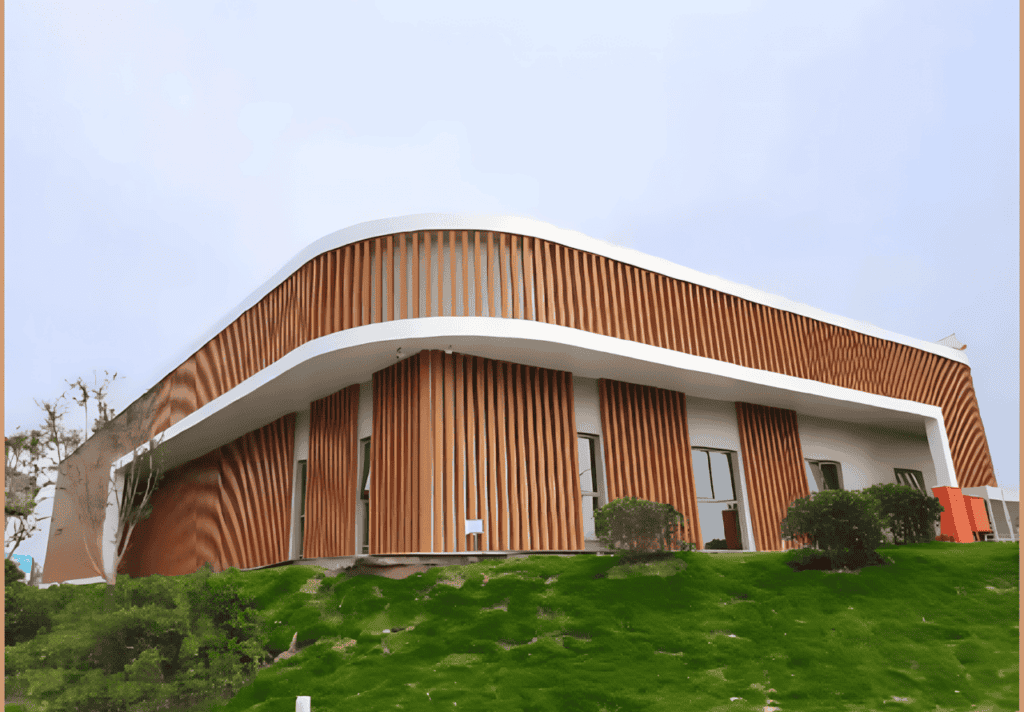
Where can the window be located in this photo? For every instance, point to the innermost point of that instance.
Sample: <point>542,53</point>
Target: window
<point>910,478</point>
<point>823,475</point>
<point>586,454</point>
<point>301,483</point>
<point>717,506</point>
<point>364,492</point>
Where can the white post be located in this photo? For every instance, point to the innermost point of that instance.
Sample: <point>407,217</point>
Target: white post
<point>302,704</point>
<point>938,445</point>
<point>110,521</point>
<point>1006,510</point>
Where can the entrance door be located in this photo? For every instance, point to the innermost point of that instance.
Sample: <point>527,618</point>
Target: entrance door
<point>717,506</point>
<point>586,449</point>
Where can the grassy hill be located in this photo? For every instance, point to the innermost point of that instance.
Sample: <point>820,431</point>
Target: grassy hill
<point>936,629</point>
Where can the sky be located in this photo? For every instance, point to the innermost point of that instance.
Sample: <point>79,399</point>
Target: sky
<point>164,159</point>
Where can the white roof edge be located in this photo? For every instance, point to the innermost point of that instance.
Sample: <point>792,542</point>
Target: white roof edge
<point>570,238</point>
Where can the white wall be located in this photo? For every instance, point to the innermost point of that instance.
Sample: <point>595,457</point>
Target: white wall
<point>866,456</point>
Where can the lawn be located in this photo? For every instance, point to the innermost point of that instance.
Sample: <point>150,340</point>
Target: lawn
<point>936,629</point>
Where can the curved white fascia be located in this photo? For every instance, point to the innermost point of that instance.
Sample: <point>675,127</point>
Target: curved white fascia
<point>569,238</point>
<point>325,365</point>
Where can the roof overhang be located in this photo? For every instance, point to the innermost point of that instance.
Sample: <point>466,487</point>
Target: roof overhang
<point>326,365</point>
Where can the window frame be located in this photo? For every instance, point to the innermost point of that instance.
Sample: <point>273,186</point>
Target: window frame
<point>915,478</point>
<point>816,474</point>
<point>596,470</point>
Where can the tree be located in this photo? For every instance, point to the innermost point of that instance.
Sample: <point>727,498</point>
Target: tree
<point>23,467</point>
<point>98,393</point>
<point>128,487</point>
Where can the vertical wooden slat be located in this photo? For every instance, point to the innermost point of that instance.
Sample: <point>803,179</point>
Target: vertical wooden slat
<point>516,262</point>
<point>449,450</point>
<point>512,448</point>
<point>440,272</point>
<point>501,475</point>
<point>543,304</point>
<point>416,239</point>
<point>491,302</point>
<point>472,441</point>
<point>403,279</point>
<point>528,298</point>
<point>460,451</point>
<point>465,275</point>
<point>477,304</point>
<point>454,271</point>
<point>550,300</point>
<point>492,462</point>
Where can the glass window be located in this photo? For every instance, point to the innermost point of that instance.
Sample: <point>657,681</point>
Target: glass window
<point>717,508</point>
<point>910,478</point>
<point>586,453</point>
<point>823,475</point>
<point>721,476</point>
<point>365,491</point>
<point>702,474</point>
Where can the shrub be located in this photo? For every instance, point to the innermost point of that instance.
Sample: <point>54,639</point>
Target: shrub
<point>909,514</point>
<point>717,544</point>
<point>12,573</point>
<point>640,528</point>
<point>178,641</point>
<point>27,610</point>
<point>843,525</point>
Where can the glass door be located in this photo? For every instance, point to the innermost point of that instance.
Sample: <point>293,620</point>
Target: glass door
<point>717,506</point>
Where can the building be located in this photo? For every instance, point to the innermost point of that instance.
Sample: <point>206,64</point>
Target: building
<point>439,384</point>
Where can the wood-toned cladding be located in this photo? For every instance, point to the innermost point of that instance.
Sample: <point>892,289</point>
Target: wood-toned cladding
<point>647,448</point>
<point>460,437</point>
<point>774,466</point>
<point>182,533</point>
<point>256,495</point>
<point>332,476</point>
<point>232,507</point>
<point>479,273</point>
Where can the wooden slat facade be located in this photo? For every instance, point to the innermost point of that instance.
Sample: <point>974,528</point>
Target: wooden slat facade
<point>774,466</point>
<point>359,284</point>
<point>332,475</point>
<point>231,507</point>
<point>497,439</point>
<point>460,437</point>
<point>647,448</point>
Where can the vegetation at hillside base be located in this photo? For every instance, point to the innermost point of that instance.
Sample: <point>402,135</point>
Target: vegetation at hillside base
<point>935,628</point>
<point>846,528</point>
<point>168,643</point>
<point>640,530</point>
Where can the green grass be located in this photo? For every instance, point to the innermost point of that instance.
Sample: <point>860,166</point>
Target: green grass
<point>938,627</point>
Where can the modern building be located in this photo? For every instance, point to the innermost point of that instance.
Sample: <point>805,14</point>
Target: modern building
<point>446,384</point>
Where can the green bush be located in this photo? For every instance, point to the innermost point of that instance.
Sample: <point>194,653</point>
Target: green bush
<point>909,514</point>
<point>27,610</point>
<point>12,573</point>
<point>845,526</point>
<point>717,544</point>
<point>640,528</point>
<point>170,641</point>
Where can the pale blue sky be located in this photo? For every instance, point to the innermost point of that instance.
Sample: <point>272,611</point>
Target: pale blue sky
<point>164,159</point>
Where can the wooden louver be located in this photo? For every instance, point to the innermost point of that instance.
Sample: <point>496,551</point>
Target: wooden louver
<point>481,273</point>
<point>461,437</point>
<point>774,465</point>
<point>647,448</point>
